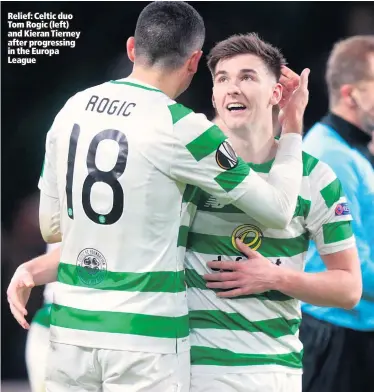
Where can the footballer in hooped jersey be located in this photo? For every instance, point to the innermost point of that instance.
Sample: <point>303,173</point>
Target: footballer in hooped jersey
<point>251,343</point>
<point>130,318</point>
<point>244,319</point>
<point>218,363</point>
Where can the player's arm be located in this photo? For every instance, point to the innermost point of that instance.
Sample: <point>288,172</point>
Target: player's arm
<point>359,198</point>
<point>195,151</point>
<point>43,269</point>
<point>49,218</point>
<point>329,222</point>
<point>340,286</point>
<point>49,207</point>
<point>36,272</point>
<point>206,160</point>
<point>210,163</point>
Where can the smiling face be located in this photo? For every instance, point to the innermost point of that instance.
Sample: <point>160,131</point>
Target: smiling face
<point>244,91</point>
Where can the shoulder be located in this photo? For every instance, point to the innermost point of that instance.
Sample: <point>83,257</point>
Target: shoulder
<point>323,182</point>
<point>319,175</point>
<point>314,168</point>
<point>182,115</point>
<point>83,94</point>
<point>194,128</point>
<point>309,163</point>
<point>178,111</point>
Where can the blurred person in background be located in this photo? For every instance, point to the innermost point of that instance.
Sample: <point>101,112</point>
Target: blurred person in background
<point>338,343</point>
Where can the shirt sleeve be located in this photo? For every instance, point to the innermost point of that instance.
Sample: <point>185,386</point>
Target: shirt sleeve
<point>202,156</point>
<point>329,220</point>
<point>359,192</point>
<point>49,207</point>
<point>49,218</point>
<point>48,179</point>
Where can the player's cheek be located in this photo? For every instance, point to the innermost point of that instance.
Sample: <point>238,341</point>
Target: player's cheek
<point>221,101</point>
<point>218,94</point>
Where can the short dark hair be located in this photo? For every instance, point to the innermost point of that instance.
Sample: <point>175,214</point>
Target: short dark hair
<point>249,43</point>
<point>167,33</point>
<point>348,63</point>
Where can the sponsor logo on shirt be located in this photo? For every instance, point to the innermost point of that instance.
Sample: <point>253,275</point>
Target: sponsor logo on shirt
<point>212,202</point>
<point>250,235</point>
<point>277,262</point>
<point>342,209</point>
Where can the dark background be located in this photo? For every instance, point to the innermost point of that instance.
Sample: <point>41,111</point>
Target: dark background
<point>33,94</point>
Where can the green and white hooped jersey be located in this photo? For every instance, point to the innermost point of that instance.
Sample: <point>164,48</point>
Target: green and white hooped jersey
<point>118,158</point>
<point>257,333</point>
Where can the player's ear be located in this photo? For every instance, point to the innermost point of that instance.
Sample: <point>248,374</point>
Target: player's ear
<point>277,94</point>
<point>347,93</point>
<point>130,47</point>
<point>193,62</point>
<point>213,102</point>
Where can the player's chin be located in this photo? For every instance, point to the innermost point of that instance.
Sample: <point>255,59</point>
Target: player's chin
<point>236,124</point>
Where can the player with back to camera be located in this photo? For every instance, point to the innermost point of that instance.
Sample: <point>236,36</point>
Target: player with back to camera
<point>119,310</point>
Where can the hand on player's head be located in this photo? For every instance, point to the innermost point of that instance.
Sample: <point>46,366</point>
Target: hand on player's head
<point>245,71</point>
<point>18,294</point>
<point>290,82</point>
<point>294,103</point>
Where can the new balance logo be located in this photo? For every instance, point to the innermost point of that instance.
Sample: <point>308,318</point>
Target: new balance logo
<point>212,202</point>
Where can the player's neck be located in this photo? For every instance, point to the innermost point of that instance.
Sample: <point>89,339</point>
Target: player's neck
<point>157,79</point>
<point>255,144</point>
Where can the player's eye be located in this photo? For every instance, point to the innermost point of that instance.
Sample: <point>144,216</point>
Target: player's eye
<point>247,77</point>
<point>222,79</point>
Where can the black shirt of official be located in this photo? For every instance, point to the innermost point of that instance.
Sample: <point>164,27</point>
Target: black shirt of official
<point>353,135</point>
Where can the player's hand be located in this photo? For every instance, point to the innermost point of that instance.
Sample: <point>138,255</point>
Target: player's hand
<point>253,276</point>
<point>294,100</point>
<point>290,81</point>
<point>19,293</point>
